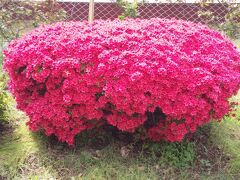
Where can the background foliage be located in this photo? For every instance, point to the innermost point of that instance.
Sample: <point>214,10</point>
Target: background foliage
<point>18,16</point>
<point>230,26</point>
<point>4,96</point>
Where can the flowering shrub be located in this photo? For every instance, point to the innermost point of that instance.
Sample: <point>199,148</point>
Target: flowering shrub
<point>165,76</point>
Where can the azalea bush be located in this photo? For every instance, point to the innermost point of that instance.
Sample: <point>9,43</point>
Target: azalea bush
<point>162,78</point>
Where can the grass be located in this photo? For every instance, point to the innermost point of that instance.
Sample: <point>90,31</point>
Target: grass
<point>227,135</point>
<point>212,154</point>
<point>26,155</point>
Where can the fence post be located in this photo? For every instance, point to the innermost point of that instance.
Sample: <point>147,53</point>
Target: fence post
<point>91,11</point>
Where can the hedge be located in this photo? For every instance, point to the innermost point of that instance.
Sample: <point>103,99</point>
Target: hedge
<point>167,77</point>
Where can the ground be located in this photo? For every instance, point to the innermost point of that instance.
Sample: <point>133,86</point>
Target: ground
<point>212,153</point>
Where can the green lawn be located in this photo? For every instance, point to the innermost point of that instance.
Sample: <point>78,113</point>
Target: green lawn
<point>213,153</point>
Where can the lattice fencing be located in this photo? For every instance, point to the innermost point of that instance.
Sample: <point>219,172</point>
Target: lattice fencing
<point>78,10</point>
<point>109,9</point>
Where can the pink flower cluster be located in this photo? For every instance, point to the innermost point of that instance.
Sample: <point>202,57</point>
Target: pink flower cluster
<point>73,76</point>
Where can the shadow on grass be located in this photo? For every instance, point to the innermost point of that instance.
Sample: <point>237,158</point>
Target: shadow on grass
<point>32,155</point>
<point>212,153</point>
<point>29,155</point>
